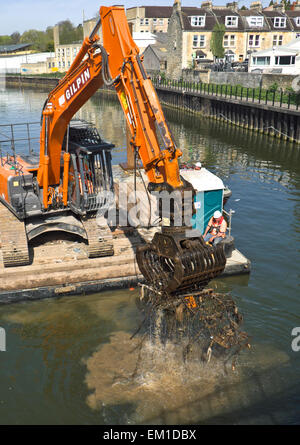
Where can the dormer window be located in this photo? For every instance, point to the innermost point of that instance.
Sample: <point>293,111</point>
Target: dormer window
<point>279,22</point>
<point>297,21</point>
<point>231,21</point>
<point>255,21</point>
<point>198,20</point>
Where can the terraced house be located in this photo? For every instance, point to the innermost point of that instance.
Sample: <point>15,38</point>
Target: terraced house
<point>246,31</point>
<point>152,19</point>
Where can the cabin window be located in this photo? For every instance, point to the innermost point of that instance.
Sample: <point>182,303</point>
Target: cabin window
<point>198,20</point>
<point>231,21</point>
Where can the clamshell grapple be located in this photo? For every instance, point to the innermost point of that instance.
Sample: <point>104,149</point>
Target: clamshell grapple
<point>178,261</point>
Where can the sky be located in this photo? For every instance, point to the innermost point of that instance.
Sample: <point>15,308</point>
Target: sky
<point>21,15</point>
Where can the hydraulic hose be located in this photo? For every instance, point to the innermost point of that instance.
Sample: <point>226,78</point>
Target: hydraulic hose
<point>106,75</point>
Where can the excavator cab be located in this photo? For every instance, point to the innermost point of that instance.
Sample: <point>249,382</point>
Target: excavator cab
<point>90,176</point>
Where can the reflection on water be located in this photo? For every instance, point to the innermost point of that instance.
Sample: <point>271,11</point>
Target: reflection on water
<point>71,360</point>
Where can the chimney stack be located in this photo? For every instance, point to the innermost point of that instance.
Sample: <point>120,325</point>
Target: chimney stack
<point>207,4</point>
<point>177,5</point>
<point>56,36</point>
<point>233,5</point>
<point>278,7</point>
<point>257,6</point>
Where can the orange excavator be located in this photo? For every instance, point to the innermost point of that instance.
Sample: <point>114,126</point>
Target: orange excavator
<point>60,189</point>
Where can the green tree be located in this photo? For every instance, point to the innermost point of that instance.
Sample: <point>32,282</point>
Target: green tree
<point>216,42</point>
<point>38,39</point>
<point>5,40</point>
<point>68,33</point>
<point>15,37</point>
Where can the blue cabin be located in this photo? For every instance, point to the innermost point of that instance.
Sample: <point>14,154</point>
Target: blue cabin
<point>209,195</point>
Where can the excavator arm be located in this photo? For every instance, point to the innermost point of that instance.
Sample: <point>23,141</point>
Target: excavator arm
<point>172,262</point>
<point>116,63</point>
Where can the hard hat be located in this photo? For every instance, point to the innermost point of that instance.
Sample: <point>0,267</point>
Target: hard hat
<point>198,164</point>
<point>217,214</point>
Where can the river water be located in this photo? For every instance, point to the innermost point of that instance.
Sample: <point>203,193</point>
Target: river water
<point>71,360</point>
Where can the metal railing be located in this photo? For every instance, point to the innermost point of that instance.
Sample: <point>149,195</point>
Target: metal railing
<point>276,98</point>
<point>229,216</point>
<point>17,136</point>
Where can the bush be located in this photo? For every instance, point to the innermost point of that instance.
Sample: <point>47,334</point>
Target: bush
<point>274,87</point>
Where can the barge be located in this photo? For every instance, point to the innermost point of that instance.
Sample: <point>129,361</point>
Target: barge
<point>60,263</point>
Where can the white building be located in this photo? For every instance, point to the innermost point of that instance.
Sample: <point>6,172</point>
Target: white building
<point>279,59</point>
<point>143,39</point>
<point>12,64</point>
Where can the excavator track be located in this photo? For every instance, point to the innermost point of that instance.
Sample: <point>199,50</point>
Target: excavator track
<point>99,238</point>
<point>13,237</point>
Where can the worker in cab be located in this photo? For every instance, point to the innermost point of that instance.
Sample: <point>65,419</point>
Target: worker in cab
<point>216,229</point>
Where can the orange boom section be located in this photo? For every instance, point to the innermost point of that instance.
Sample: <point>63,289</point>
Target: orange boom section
<point>116,63</point>
<point>150,134</point>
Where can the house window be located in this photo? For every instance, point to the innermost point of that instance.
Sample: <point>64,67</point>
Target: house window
<point>285,60</point>
<point>59,64</point>
<point>254,40</point>
<point>198,20</point>
<point>161,21</point>
<point>297,21</point>
<point>198,41</point>
<point>154,21</point>
<point>297,36</point>
<point>229,40</point>
<point>68,51</point>
<point>261,60</point>
<point>231,21</point>
<point>255,21</point>
<point>279,22</point>
<point>277,40</point>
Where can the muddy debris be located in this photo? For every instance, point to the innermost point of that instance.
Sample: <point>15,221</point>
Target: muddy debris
<point>207,321</point>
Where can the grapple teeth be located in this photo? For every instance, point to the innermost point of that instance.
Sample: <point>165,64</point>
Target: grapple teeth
<point>173,263</point>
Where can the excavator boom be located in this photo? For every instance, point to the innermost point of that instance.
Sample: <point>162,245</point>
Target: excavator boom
<point>74,160</point>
